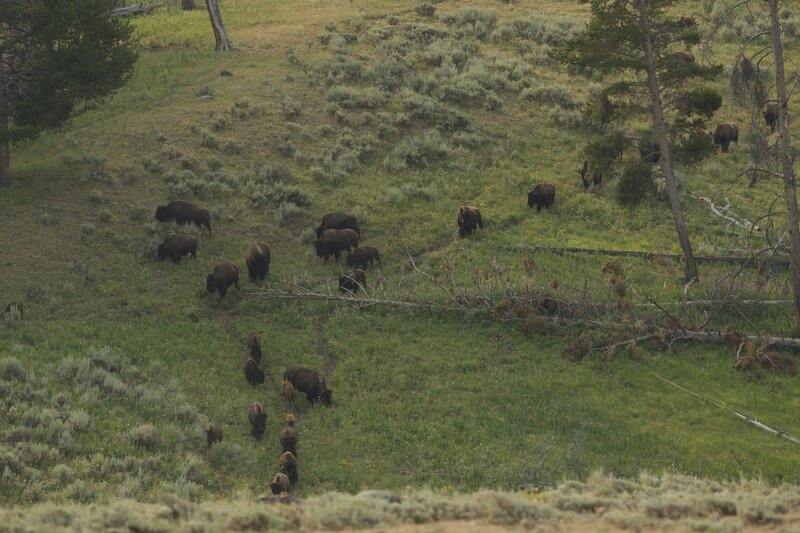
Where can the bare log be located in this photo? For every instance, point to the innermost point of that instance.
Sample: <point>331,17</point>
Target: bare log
<point>744,224</point>
<point>746,261</point>
<point>220,35</point>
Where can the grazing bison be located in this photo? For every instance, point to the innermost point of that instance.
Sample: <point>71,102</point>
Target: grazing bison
<point>280,484</point>
<point>311,382</point>
<point>254,345</point>
<point>213,435</point>
<point>257,259</point>
<point>288,440</point>
<point>176,245</point>
<point>287,464</point>
<point>682,58</point>
<point>650,151</point>
<point>287,391</point>
<point>467,219</point>
<point>542,195</point>
<point>253,374</point>
<point>771,116</point>
<point>182,212</point>
<point>351,281</point>
<point>725,134</point>
<point>363,256</point>
<point>338,221</point>
<point>258,419</point>
<point>334,241</point>
<point>224,275</point>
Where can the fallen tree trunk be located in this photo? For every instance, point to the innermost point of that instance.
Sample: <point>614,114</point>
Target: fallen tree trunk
<point>131,10</point>
<point>731,260</point>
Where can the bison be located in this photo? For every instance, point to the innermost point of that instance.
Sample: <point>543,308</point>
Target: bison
<point>287,464</point>
<point>224,275</point>
<point>542,195</point>
<point>257,259</point>
<point>650,151</point>
<point>288,440</point>
<point>182,212</point>
<point>725,134</point>
<point>280,484</point>
<point>176,245</point>
<point>334,241</point>
<point>254,345</point>
<point>257,417</point>
<point>363,256</point>
<point>467,219</point>
<point>287,391</point>
<point>253,374</point>
<point>351,281</point>
<point>213,435</point>
<point>338,221</point>
<point>771,116</point>
<point>311,382</point>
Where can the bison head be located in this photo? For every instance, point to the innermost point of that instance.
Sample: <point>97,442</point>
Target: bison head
<point>318,231</point>
<point>351,260</point>
<point>161,213</point>
<point>326,396</point>
<point>319,246</point>
<point>211,283</point>
<point>532,198</point>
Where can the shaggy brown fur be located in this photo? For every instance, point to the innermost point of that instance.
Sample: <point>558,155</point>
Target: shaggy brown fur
<point>467,219</point>
<point>257,416</point>
<point>253,374</point>
<point>176,245</point>
<point>311,382</point>
<point>257,258</point>
<point>182,212</point>
<point>288,440</point>
<point>280,484</point>
<point>224,275</point>
<point>254,345</point>
<point>287,391</point>
<point>287,464</point>
<point>337,221</point>
<point>334,241</point>
<point>771,116</point>
<point>213,435</point>
<point>351,281</point>
<point>363,256</point>
<point>725,134</point>
<point>542,195</point>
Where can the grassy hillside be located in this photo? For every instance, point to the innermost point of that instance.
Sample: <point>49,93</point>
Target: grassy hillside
<point>122,361</point>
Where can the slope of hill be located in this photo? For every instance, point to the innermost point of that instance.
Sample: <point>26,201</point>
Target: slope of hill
<point>398,115</point>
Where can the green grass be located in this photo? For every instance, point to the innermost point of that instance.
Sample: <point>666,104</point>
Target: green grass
<point>428,398</point>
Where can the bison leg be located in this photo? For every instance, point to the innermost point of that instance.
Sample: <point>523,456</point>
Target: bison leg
<point>311,396</point>
<point>236,284</point>
<point>222,291</point>
<point>338,254</point>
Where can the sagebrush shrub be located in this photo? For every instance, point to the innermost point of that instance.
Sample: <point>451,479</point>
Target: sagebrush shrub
<point>418,151</point>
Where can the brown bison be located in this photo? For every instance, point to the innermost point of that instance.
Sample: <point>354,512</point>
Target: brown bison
<point>542,195</point>
<point>725,134</point>
<point>351,281</point>
<point>254,345</point>
<point>253,374</point>
<point>771,116</point>
<point>596,180</point>
<point>280,484</point>
<point>363,256</point>
<point>287,391</point>
<point>334,241</point>
<point>467,219</point>
<point>224,275</point>
<point>213,435</point>
<point>338,221</point>
<point>288,440</point>
<point>257,259</point>
<point>311,382</point>
<point>176,245</point>
<point>650,151</point>
<point>257,417</point>
<point>287,464</point>
<point>182,212</point>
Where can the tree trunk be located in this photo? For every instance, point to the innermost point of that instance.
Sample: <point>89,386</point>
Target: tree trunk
<point>785,147</point>
<point>690,269</point>
<point>220,35</point>
<point>5,148</point>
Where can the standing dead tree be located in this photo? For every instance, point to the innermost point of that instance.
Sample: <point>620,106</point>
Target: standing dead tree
<point>220,35</point>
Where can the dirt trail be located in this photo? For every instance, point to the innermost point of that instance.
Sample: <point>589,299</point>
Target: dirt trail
<point>323,347</point>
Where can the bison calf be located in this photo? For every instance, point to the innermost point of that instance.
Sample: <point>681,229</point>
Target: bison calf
<point>287,391</point>
<point>257,258</point>
<point>254,345</point>
<point>542,195</point>
<point>257,416</point>
<point>467,219</point>
<point>280,484</point>
<point>311,382</point>
<point>224,275</point>
<point>177,245</point>
<point>213,435</point>
<point>351,281</point>
<point>288,440</point>
<point>287,464</point>
<point>253,374</point>
<point>363,256</point>
<point>182,212</point>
